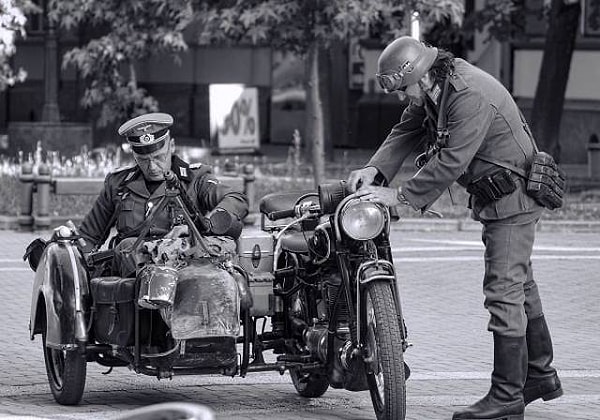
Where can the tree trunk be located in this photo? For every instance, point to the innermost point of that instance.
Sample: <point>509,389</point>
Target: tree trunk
<point>554,74</point>
<point>314,115</point>
<point>132,75</point>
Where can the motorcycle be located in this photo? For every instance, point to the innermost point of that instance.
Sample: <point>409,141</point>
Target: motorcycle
<point>323,299</point>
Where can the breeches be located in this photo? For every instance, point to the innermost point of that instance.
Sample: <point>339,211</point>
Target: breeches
<point>511,294</point>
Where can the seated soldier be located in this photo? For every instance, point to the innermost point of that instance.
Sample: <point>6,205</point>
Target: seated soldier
<point>130,194</point>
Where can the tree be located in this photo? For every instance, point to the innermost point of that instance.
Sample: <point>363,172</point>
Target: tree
<point>309,27</point>
<point>554,74</point>
<point>505,21</point>
<point>12,24</point>
<point>131,32</point>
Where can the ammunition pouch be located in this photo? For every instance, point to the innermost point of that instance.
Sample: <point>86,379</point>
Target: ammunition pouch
<point>546,181</point>
<point>492,187</point>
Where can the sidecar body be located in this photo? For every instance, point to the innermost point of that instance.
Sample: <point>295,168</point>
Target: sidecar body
<point>115,321</point>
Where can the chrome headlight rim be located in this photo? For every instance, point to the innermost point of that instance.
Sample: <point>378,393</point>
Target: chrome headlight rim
<point>373,219</point>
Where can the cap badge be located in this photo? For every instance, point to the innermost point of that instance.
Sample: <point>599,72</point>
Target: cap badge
<point>147,138</point>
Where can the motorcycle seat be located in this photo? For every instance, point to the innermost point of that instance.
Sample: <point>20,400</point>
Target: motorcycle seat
<point>296,242</point>
<point>277,202</point>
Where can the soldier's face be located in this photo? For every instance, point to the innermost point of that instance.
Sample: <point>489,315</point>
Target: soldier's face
<point>413,93</point>
<point>154,165</point>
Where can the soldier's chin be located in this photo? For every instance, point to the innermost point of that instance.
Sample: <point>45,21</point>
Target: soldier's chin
<point>155,177</point>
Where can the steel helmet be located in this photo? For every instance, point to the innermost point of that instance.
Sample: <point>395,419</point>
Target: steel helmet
<point>403,62</point>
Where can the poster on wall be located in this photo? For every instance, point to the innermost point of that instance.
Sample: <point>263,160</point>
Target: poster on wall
<point>234,118</point>
<point>591,18</point>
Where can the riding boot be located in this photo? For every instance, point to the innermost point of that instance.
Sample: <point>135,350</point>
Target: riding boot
<point>504,400</point>
<point>542,379</point>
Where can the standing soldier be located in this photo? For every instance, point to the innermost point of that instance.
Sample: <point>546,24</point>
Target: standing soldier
<point>479,133</point>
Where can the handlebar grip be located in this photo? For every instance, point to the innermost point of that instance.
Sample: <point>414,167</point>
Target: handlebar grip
<point>281,214</point>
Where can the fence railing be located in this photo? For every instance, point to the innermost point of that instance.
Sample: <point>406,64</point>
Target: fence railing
<point>41,184</point>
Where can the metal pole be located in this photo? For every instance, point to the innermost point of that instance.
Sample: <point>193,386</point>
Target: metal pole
<point>43,181</point>
<point>25,217</point>
<point>249,187</point>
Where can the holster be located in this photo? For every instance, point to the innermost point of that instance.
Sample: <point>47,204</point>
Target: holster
<point>492,187</point>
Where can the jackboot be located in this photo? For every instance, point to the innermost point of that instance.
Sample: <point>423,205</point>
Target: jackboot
<point>504,400</point>
<point>542,379</point>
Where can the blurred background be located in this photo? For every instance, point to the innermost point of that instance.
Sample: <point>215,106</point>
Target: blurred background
<point>287,82</point>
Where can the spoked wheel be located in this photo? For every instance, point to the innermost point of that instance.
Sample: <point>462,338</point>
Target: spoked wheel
<point>309,384</point>
<point>385,364</point>
<point>66,371</point>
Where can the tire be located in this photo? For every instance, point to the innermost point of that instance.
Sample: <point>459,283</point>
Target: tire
<point>309,385</point>
<point>385,374</point>
<point>66,371</point>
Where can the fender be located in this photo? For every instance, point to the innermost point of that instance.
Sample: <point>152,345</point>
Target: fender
<point>61,290</point>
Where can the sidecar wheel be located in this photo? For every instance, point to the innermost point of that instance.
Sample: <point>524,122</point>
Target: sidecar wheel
<point>66,373</point>
<point>309,385</point>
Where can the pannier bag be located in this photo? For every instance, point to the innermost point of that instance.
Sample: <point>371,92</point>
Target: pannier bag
<point>114,310</point>
<point>546,181</point>
<point>207,303</point>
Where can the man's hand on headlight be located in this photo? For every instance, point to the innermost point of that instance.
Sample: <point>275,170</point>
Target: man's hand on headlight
<point>385,195</point>
<point>361,177</point>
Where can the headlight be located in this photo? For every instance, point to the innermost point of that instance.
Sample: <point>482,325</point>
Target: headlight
<point>362,220</point>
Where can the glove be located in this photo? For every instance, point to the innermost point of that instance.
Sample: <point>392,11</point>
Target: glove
<point>224,223</point>
<point>362,177</point>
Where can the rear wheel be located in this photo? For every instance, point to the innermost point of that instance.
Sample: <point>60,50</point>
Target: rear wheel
<point>66,371</point>
<point>385,362</point>
<point>309,384</point>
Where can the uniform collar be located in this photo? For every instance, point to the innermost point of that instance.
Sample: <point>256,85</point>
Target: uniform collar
<point>181,168</point>
<point>137,184</point>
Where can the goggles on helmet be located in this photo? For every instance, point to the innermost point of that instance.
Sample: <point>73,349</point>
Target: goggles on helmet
<point>391,82</point>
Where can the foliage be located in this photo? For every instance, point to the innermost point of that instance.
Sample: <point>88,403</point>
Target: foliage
<point>504,20</point>
<point>293,25</point>
<point>12,24</point>
<point>309,28</point>
<point>132,32</point>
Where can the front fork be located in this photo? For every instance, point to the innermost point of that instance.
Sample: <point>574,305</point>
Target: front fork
<point>367,272</point>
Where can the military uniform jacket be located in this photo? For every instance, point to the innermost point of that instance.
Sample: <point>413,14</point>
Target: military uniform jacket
<point>482,118</point>
<point>126,200</point>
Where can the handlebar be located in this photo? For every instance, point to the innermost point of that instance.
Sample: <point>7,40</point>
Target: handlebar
<point>281,214</point>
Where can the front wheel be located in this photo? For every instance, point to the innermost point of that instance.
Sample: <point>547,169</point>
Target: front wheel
<point>385,359</point>
<point>66,371</point>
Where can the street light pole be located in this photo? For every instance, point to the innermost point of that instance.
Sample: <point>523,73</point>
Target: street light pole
<point>50,111</point>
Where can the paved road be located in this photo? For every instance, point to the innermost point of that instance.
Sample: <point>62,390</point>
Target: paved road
<point>450,359</point>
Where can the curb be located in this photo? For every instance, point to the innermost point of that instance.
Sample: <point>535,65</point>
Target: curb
<point>407,224</point>
<point>467,225</point>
